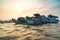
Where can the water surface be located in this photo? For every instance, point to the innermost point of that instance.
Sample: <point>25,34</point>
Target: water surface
<point>9,31</point>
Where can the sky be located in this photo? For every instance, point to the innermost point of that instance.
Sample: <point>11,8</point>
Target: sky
<point>16,8</point>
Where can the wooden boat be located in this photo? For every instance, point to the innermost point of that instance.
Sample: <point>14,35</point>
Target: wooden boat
<point>37,20</point>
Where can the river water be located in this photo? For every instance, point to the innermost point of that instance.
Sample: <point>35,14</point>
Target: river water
<point>10,31</point>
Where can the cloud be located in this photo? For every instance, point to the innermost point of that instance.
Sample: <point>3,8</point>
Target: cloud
<point>15,8</point>
<point>49,2</point>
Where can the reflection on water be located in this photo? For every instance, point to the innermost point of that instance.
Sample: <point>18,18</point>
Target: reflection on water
<point>9,31</point>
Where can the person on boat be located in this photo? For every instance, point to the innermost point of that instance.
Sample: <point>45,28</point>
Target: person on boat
<point>52,18</point>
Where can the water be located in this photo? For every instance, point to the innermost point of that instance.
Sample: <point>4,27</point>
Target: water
<point>9,31</point>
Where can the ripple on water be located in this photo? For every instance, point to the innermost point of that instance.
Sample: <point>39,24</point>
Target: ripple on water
<point>44,32</point>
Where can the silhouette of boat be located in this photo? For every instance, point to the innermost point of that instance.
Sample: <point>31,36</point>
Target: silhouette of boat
<point>37,19</point>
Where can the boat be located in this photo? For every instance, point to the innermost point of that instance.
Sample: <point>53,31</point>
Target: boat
<point>37,19</point>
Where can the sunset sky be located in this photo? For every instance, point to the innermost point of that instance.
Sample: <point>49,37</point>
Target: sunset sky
<point>15,8</point>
